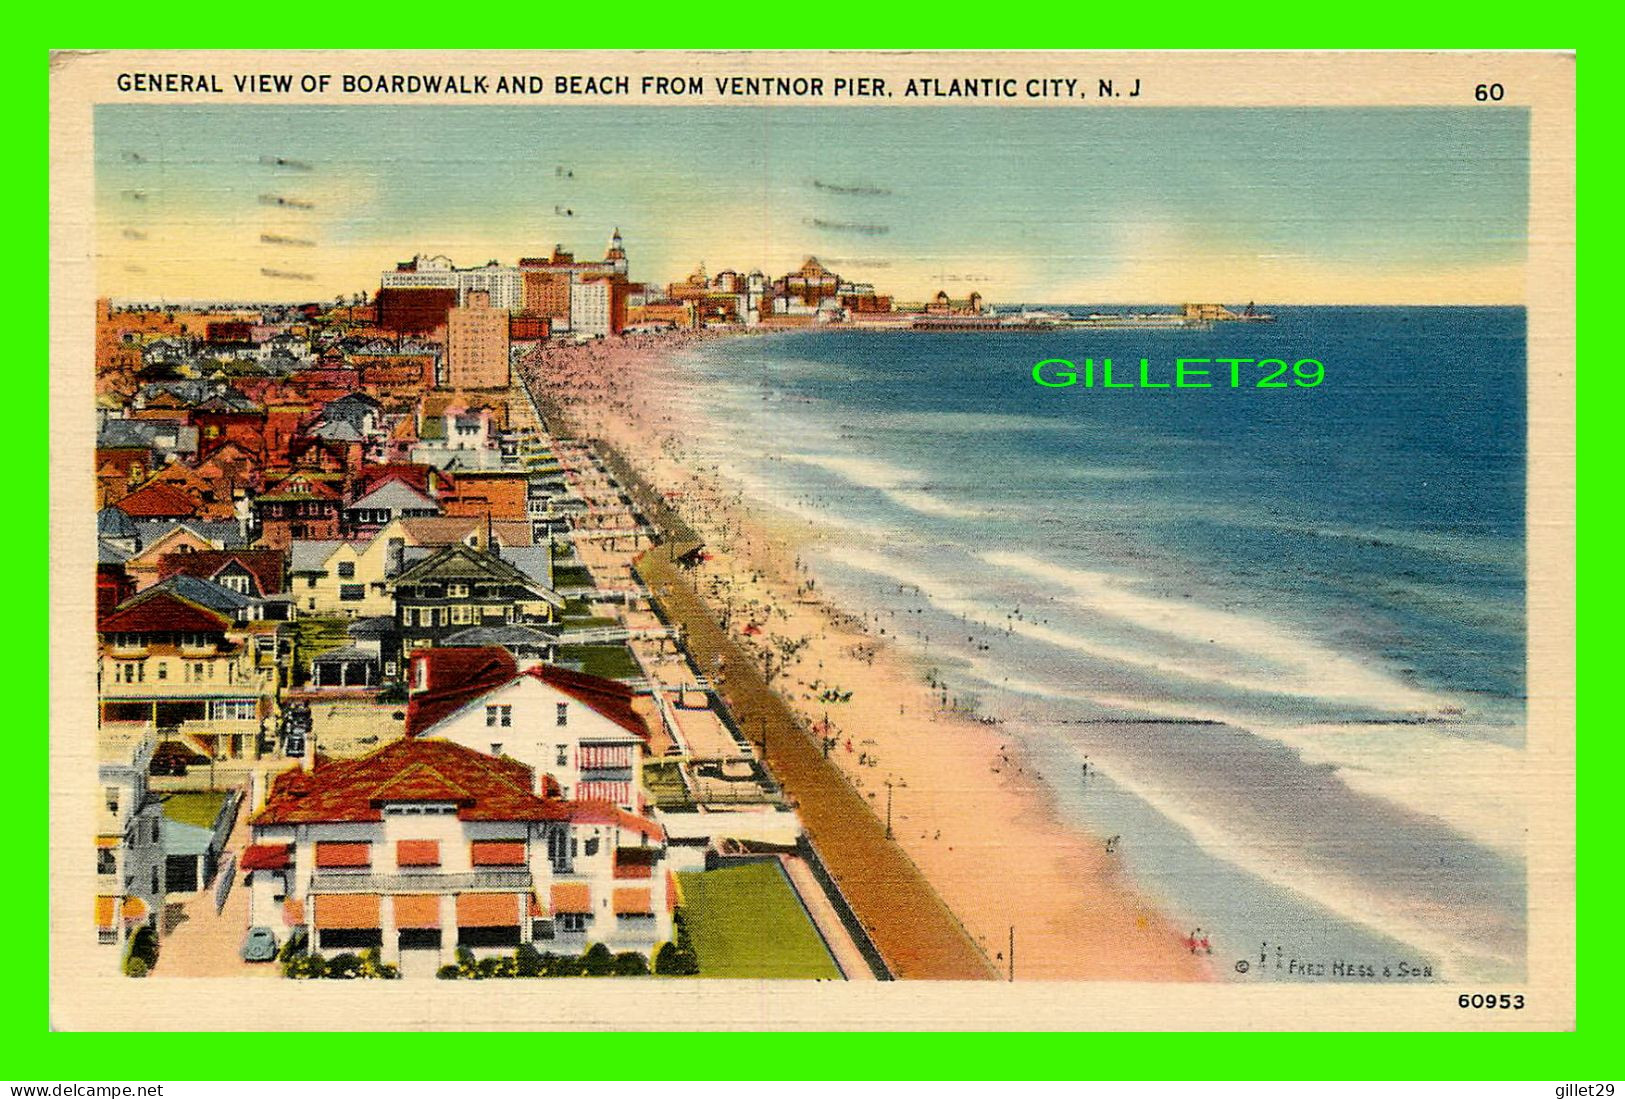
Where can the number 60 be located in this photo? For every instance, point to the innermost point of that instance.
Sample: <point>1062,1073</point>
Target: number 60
<point>1489,92</point>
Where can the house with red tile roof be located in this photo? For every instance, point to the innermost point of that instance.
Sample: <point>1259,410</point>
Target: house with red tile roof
<point>236,462</point>
<point>426,846</point>
<point>158,501</point>
<point>119,470</point>
<point>576,730</point>
<point>300,506</point>
<point>425,478</point>
<point>213,498</point>
<point>259,573</point>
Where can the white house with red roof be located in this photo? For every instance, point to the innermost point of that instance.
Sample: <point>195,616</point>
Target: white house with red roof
<point>578,731</point>
<point>425,845</point>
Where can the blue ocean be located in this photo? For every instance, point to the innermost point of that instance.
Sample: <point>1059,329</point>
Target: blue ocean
<point>1271,639</point>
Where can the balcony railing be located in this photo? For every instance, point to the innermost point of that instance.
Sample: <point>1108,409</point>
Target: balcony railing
<point>499,881</point>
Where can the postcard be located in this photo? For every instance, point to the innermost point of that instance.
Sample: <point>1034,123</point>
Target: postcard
<point>995,541</point>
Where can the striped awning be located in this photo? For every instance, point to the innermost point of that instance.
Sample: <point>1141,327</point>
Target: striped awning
<point>266,856</point>
<point>134,909</point>
<point>633,902</point>
<point>348,911</point>
<point>498,853</point>
<point>417,910</point>
<point>602,756</point>
<point>572,897</point>
<point>487,909</point>
<point>617,793</point>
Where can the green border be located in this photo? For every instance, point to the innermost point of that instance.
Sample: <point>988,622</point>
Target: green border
<point>37,1054</point>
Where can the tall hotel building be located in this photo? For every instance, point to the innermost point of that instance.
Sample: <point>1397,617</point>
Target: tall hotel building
<point>417,291</point>
<point>477,343</point>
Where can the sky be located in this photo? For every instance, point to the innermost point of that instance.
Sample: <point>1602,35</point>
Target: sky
<point>1026,205</point>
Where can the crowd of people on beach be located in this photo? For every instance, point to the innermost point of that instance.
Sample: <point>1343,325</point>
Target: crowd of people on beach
<point>756,572</point>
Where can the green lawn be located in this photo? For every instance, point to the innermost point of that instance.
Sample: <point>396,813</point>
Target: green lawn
<point>572,576</point>
<point>745,921</point>
<point>608,661</point>
<point>665,785</point>
<point>314,636</point>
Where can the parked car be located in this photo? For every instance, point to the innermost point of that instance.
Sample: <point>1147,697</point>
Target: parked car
<point>260,945</point>
<point>173,758</point>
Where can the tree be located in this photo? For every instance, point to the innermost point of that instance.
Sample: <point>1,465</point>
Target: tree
<point>598,961</point>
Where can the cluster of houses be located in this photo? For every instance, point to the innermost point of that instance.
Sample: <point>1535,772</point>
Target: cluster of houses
<point>294,519</point>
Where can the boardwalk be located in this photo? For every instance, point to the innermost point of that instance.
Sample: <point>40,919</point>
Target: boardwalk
<point>913,930</point>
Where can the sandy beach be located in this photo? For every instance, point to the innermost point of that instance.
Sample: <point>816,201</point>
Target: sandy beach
<point>965,806</point>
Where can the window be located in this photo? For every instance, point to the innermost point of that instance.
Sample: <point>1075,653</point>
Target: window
<point>112,799</point>
<point>420,809</point>
<point>337,938</point>
<point>155,840</point>
<point>154,882</point>
<point>462,615</point>
<point>310,581</point>
<point>163,669</point>
<point>488,936</point>
<point>496,747</point>
<point>237,584</point>
<point>106,861</point>
<point>564,755</point>
<point>457,591</point>
<point>590,847</point>
<point>346,570</point>
<point>106,935</point>
<point>558,850</point>
<point>573,922</point>
<point>351,593</point>
<point>563,712</point>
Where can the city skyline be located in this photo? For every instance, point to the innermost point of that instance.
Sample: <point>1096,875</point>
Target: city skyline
<point>1135,206</point>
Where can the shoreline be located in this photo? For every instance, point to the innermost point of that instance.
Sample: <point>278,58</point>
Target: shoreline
<point>967,810</point>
